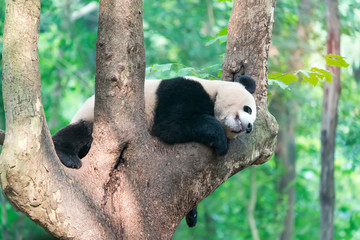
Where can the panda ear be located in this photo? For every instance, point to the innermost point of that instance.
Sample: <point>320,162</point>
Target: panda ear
<point>248,82</point>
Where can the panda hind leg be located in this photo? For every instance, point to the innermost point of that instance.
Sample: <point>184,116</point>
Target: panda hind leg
<point>191,218</point>
<point>73,142</point>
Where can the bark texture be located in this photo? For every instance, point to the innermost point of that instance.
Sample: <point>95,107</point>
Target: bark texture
<point>248,43</point>
<point>131,186</point>
<point>328,125</point>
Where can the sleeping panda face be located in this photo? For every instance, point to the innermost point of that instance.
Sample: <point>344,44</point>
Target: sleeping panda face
<point>235,108</point>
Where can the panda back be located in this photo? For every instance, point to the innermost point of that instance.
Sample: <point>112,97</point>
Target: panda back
<point>86,112</point>
<point>180,99</point>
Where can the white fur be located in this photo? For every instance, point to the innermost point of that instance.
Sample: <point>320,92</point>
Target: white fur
<point>86,112</point>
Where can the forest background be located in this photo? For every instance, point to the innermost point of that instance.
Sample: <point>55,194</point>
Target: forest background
<point>188,37</point>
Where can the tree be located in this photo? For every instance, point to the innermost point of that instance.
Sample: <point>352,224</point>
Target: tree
<point>131,186</point>
<point>328,125</point>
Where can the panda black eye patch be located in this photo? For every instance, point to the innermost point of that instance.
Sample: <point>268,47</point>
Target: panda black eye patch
<point>247,109</point>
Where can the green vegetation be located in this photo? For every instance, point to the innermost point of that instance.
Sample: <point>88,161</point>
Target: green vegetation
<point>186,37</point>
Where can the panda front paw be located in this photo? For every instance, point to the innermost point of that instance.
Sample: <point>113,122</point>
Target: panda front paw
<point>221,147</point>
<point>70,160</point>
<point>221,151</point>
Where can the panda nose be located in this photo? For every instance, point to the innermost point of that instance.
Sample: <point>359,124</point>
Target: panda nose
<point>249,128</point>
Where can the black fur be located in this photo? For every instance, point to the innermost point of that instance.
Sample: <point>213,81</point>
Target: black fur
<point>73,143</point>
<point>248,82</point>
<point>191,217</point>
<point>185,113</point>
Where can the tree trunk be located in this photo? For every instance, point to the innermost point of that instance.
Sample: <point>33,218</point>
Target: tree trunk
<point>252,204</point>
<point>286,157</point>
<point>248,44</point>
<point>328,125</point>
<point>131,186</point>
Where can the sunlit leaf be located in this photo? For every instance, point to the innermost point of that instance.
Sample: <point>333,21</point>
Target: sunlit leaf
<point>336,60</point>
<point>327,75</point>
<point>305,72</point>
<point>315,75</point>
<point>223,32</point>
<point>282,85</point>
<point>285,78</point>
<point>221,37</point>
<point>274,75</point>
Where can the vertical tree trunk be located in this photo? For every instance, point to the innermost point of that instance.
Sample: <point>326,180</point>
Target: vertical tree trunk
<point>328,125</point>
<point>285,154</point>
<point>245,37</point>
<point>252,204</point>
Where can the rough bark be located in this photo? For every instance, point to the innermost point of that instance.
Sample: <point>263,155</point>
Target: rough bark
<point>131,186</point>
<point>248,44</point>
<point>328,125</point>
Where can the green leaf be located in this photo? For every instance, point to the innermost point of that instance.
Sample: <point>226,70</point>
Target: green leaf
<point>224,0</point>
<point>274,75</point>
<point>336,60</point>
<point>222,39</point>
<point>223,32</point>
<point>315,75</point>
<point>160,67</point>
<point>186,71</point>
<point>326,74</point>
<point>282,85</point>
<point>221,36</point>
<point>285,78</point>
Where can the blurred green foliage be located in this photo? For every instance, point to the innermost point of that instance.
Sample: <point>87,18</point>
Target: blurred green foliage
<point>185,37</point>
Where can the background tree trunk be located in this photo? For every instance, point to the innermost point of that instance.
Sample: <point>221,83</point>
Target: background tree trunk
<point>328,125</point>
<point>252,204</point>
<point>131,186</point>
<point>286,156</point>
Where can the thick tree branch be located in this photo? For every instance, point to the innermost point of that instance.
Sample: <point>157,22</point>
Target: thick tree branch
<point>248,43</point>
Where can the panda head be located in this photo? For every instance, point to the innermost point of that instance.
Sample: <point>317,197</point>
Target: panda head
<point>235,106</point>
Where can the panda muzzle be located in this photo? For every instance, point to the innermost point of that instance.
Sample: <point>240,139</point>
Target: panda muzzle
<point>237,131</point>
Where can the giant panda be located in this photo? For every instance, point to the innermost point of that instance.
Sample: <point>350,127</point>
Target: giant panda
<point>178,110</point>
